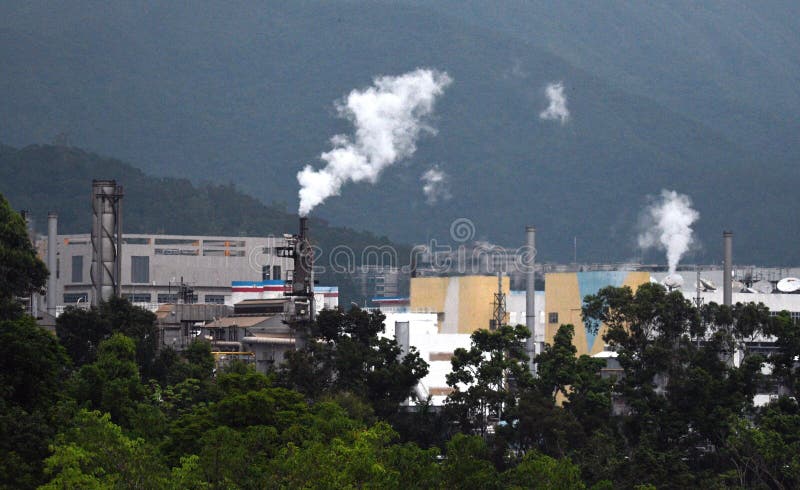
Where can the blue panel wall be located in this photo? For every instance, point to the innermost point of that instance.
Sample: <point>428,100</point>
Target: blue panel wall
<point>591,283</point>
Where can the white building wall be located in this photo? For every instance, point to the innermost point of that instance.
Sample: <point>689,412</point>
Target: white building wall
<point>207,264</point>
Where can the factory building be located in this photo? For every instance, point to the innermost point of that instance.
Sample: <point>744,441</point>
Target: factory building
<point>441,314</point>
<point>159,269</point>
<point>564,293</point>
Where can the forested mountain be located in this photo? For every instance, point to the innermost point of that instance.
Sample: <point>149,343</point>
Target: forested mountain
<point>236,93</point>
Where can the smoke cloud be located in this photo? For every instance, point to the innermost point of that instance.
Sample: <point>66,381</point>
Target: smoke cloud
<point>557,108</point>
<point>388,118</point>
<point>435,185</point>
<point>668,226</point>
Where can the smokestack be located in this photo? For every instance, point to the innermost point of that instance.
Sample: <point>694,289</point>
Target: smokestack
<point>727,280</point>
<point>52,238</point>
<point>302,276</point>
<point>106,239</point>
<point>530,293</point>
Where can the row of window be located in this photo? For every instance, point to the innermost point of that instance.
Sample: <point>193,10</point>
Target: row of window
<point>73,298</point>
<point>140,267</point>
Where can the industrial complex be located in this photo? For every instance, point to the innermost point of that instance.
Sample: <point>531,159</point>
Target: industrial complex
<point>242,293</point>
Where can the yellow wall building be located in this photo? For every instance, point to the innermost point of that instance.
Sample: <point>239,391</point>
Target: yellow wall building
<point>564,293</point>
<point>463,303</point>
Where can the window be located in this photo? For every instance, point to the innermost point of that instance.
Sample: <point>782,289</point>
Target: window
<point>265,273</point>
<point>177,241</point>
<point>223,253</point>
<point>70,298</point>
<point>140,269</point>
<point>77,268</point>
<point>217,299</point>
<point>552,317</point>
<point>223,243</point>
<point>138,297</point>
<point>135,241</point>
<point>276,273</point>
<point>167,298</point>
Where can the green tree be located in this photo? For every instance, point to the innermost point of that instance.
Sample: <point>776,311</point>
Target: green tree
<point>33,368</point>
<point>21,271</point>
<point>112,384</point>
<point>94,453</point>
<point>467,464</point>
<point>348,355</point>
<point>81,331</point>
<point>539,471</point>
<point>679,385</point>
<point>785,369</point>
<point>487,379</point>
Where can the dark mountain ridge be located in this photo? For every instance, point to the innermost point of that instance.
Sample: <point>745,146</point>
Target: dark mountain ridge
<point>244,94</point>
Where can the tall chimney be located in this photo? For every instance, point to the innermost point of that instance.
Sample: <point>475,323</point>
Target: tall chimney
<point>52,244</point>
<point>727,279</point>
<point>106,239</point>
<point>530,293</point>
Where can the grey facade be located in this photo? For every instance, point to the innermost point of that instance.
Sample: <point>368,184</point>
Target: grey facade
<point>154,266</point>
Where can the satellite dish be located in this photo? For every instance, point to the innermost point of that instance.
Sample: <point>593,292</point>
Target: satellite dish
<point>708,285</point>
<point>737,285</point>
<point>673,281</point>
<point>789,285</point>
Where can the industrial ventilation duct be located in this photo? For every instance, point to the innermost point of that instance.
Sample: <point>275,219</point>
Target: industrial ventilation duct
<point>106,239</point>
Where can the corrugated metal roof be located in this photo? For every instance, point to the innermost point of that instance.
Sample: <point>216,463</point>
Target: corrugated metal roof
<point>238,321</point>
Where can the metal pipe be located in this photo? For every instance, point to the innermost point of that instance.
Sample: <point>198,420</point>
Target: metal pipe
<point>727,280</point>
<point>52,266</point>
<point>118,241</point>
<point>530,292</point>
<point>268,340</point>
<point>106,196</point>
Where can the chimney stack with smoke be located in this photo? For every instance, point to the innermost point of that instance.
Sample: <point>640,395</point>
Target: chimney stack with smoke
<point>388,118</point>
<point>667,224</point>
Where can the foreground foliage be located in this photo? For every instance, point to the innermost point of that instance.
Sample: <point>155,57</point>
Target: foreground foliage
<point>98,407</point>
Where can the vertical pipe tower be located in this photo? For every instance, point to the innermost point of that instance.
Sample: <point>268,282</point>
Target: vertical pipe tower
<point>530,292</point>
<point>52,244</point>
<point>727,280</point>
<point>106,239</point>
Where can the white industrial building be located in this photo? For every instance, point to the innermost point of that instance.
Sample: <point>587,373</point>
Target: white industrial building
<point>420,328</point>
<point>154,267</point>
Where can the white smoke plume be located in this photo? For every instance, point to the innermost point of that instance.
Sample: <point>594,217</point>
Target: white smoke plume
<point>668,226</point>
<point>388,118</point>
<point>557,108</point>
<point>435,185</point>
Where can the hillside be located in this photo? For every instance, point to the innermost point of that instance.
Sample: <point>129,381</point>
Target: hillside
<point>233,93</point>
<point>47,178</point>
<point>729,64</point>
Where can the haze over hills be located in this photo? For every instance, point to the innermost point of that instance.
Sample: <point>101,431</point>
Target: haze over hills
<point>232,93</point>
